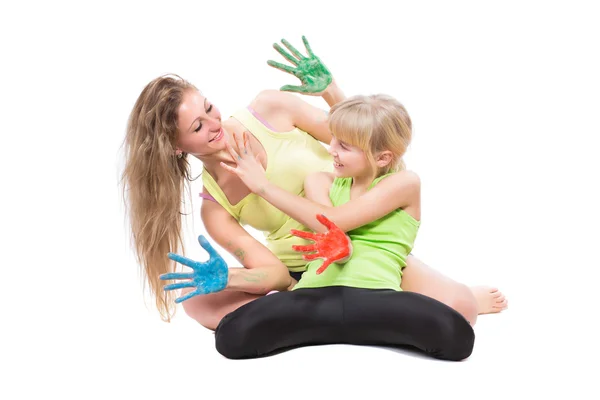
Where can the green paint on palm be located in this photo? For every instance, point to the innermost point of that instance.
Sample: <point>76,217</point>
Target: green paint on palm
<point>311,71</point>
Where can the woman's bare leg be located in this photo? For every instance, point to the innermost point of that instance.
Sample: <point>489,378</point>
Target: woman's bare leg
<point>209,309</point>
<point>489,299</point>
<point>420,278</point>
<point>470,302</point>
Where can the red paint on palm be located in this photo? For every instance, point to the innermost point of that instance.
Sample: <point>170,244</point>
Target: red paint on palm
<point>333,245</point>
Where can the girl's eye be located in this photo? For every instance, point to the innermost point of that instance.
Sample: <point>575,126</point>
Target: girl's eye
<point>209,109</point>
<point>198,128</point>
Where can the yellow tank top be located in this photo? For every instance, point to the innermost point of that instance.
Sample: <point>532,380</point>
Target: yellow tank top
<point>291,156</point>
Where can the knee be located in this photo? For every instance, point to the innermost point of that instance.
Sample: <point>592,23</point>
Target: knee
<point>465,303</point>
<point>456,328</point>
<point>458,339</point>
<point>201,314</point>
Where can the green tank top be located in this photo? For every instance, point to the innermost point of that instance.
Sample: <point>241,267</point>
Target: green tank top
<point>379,249</point>
<point>291,156</point>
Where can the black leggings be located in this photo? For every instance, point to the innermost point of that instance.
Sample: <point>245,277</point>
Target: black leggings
<point>344,315</point>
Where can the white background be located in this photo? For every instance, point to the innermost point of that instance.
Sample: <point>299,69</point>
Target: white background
<point>505,102</point>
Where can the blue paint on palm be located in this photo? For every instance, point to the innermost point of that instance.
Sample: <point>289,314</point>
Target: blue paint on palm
<point>208,277</point>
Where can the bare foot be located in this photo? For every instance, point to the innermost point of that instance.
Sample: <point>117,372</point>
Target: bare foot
<point>489,299</point>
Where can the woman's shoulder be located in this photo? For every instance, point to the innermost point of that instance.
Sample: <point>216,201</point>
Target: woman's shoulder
<point>271,105</point>
<point>271,100</point>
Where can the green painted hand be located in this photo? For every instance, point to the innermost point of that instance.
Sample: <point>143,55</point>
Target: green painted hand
<point>311,71</point>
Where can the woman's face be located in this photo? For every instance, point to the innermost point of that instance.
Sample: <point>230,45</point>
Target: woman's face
<point>199,122</point>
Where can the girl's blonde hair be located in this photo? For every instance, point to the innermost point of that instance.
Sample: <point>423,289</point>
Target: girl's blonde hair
<point>154,180</point>
<point>373,124</point>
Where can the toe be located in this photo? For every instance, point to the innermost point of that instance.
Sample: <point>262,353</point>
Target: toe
<point>501,305</point>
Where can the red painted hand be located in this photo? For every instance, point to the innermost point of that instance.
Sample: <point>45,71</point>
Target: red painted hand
<point>332,246</point>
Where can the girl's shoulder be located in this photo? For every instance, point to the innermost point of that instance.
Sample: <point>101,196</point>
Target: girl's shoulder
<point>406,177</point>
<point>319,178</point>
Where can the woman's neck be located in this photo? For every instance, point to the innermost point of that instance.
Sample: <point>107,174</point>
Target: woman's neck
<point>212,163</point>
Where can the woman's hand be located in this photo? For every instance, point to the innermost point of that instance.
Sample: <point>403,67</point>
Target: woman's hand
<point>208,277</point>
<point>247,168</point>
<point>334,246</point>
<point>311,71</point>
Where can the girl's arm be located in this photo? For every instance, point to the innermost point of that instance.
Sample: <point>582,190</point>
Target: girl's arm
<point>316,187</point>
<point>398,190</point>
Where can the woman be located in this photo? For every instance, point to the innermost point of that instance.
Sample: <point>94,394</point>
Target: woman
<point>172,121</point>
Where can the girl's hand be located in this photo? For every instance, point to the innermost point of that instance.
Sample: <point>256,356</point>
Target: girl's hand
<point>311,71</point>
<point>247,168</point>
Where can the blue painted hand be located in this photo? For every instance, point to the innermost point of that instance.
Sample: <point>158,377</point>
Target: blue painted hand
<point>208,277</point>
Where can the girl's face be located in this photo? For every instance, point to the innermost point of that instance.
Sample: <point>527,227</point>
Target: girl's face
<point>200,129</point>
<point>348,161</point>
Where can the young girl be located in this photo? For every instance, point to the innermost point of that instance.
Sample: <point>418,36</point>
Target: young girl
<point>371,196</point>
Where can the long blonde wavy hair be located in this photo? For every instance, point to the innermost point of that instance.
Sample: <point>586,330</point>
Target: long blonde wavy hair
<point>153,182</point>
<point>373,123</point>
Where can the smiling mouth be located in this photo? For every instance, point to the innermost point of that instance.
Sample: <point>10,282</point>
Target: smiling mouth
<point>218,136</point>
<point>337,164</point>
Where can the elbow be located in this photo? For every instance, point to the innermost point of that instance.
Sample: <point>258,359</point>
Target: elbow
<point>275,277</point>
<point>283,280</point>
<point>413,180</point>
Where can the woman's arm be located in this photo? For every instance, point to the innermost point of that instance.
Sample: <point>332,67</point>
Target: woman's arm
<point>315,77</point>
<point>290,110</point>
<point>333,94</point>
<point>263,271</point>
<point>316,80</point>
